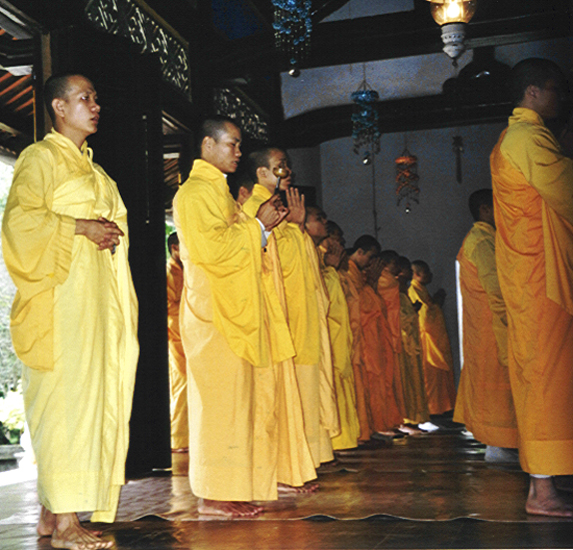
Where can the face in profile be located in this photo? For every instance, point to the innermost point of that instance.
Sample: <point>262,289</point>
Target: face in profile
<point>279,159</point>
<point>225,152</point>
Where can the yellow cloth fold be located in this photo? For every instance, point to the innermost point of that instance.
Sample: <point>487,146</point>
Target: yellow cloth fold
<point>75,321</point>
<point>533,203</point>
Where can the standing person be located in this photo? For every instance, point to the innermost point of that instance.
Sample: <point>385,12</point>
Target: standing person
<point>225,332</point>
<point>437,353</point>
<point>533,203</point>
<point>306,304</point>
<point>74,318</point>
<point>177,368</point>
<point>484,402</point>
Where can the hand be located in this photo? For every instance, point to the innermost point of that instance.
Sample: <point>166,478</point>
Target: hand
<point>102,232</point>
<point>373,272</point>
<point>334,253</point>
<point>272,212</point>
<point>297,212</point>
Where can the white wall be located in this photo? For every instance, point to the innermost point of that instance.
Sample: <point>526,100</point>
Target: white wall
<point>433,231</point>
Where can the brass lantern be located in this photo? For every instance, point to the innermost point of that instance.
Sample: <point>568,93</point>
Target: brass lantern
<point>453,16</point>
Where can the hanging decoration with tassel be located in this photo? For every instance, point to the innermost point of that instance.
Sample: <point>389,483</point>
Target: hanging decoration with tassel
<point>292,26</point>
<point>407,179</point>
<point>365,132</point>
<point>458,148</point>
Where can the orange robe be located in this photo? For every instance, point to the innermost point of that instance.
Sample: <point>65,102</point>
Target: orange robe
<point>411,364</point>
<point>177,368</point>
<point>352,284</point>
<point>438,362</point>
<point>533,199</point>
<point>484,402</point>
<point>377,355</point>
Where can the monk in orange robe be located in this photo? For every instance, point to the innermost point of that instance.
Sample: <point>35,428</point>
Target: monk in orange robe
<point>484,402</point>
<point>532,184</point>
<point>377,351</point>
<point>438,362</point>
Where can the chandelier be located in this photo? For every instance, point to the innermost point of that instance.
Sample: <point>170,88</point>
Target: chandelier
<point>292,26</point>
<point>453,16</point>
<point>365,132</point>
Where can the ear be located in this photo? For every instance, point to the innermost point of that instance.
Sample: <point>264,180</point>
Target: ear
<point>532,91</point>
<point>207,143</point>
<point>58,106</point>
<point>262,173</point>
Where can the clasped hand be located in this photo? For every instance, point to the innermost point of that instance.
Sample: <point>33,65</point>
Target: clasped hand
<point>272,212</point>
<point>102,232</point>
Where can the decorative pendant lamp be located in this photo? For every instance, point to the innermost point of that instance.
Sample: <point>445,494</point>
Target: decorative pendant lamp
<point>365,132</point>
<point>292,27</point>
<point>407,179</point>
<point>453,16</point>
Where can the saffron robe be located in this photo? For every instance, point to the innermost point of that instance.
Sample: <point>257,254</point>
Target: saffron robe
<point>74,325</point>
<point>411,364</point>
<point>177,368</point>
<point>533,199</point>
<point>308,328</point>
<point>377,355</point>
<point>341,344</point>
<point>484,402</point>
<point>225,332</point>
<point>437,354</point>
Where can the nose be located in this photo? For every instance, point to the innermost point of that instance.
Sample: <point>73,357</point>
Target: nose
<point>96,107</point>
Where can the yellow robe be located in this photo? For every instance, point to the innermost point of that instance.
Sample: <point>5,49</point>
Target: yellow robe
<point>438,362</point>
<point>295,464</point>
<point>341,344</point>
<point>411,364</point>
<point>306,312</point>
<point>177,368</point>
<point>352,283</point>
<point>484,402</point>
<point>225,332</point>
<point>533,200</point>
<point>74,325</point>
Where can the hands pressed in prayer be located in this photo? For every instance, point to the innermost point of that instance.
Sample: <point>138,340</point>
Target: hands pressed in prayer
<point>296,209</point>
<point>272,212</point>
<point>102,232</point>
<point>334,253</point>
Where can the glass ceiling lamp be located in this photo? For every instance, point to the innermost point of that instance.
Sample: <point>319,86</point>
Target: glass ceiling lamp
<point>453,16</point>
<point>365,132</point>
<point>292,27</point>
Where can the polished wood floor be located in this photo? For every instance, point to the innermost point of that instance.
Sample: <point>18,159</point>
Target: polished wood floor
<point>431,491</point>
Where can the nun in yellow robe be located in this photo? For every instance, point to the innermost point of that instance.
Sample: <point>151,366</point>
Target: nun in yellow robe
<point>484,402</point>
<point>74,325</point>
<point>533,203</point>
<point>341,345</point>
<point>227,329</point>
<point>177,369</point>
<point>437,354</point>
<point>307,306</point>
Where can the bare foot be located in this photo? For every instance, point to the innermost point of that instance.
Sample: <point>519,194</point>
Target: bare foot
<point>180,450</point>
<point>68,533</point>
<point>308,487</point>
<point>47,523</point>
<point>410,429</point>
<point>543,499</point>
<point>228,508</point>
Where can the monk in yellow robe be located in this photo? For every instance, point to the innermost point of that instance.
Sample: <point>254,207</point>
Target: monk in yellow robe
<point>533,204</point>
<point>484,402</point>
<point>377,351</point>
<point>295,466</point>
<point>307,305</point>
<point>74,317</point>
<point>226,331</point>
<point>177,368</point>
<point>330,255</point>
<point>438,361</point>
<point>411,363</point>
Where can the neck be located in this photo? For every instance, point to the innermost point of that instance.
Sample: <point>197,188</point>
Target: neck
<point>76,138</point>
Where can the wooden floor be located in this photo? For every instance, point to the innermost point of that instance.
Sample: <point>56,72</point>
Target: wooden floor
<point>433,491</point>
